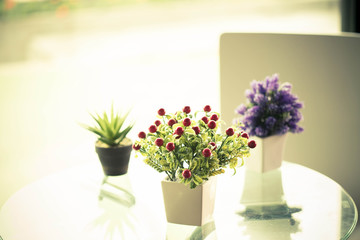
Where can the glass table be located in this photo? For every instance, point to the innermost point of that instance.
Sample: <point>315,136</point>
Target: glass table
<point>293,202</point>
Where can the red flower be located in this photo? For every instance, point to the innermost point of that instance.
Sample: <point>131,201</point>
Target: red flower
<point>252,144</point>
<point>142,135</point>
<point>196,129</point>
<point>170,146</point>
<point>207,108</point>
<point>214,117</point>
<point>213,144</point>
<point>230,132</point>
<point>186,173</point>
<point>159,142</point>
<point>179,131</point>
<point>206,152</point>
<point>161,112</point>
<point>212,124</point>
<point>152,129</point>
<point>205,120</point>
<point>157,122</point>
<point>136,147</point>
<point>186,109</point>
<point>187,122</point>
<point>245,135</point>
<point>171,122</point>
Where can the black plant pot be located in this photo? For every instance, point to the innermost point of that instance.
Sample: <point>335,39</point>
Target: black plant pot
<point>114,160</point>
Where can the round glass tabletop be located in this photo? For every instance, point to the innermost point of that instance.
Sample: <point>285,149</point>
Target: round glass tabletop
<point>293,202</point>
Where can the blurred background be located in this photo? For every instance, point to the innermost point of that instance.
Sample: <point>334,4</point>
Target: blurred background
<point>60,59</point>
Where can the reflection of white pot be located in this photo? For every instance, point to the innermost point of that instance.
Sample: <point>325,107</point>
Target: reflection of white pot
<point>189,206</point>
<point>263,188</point>
<point>268,154</point>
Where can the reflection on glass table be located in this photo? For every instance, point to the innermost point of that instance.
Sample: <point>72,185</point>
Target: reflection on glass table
<point>293,202</point>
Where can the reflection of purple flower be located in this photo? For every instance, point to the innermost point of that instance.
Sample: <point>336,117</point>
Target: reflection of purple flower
<point>271,109</point>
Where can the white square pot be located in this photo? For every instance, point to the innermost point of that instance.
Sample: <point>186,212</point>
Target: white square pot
<point>268,154</point>
<point>189,206</point>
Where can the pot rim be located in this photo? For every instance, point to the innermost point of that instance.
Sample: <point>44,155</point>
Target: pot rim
<point>112,147</point>
<point>211,178</point>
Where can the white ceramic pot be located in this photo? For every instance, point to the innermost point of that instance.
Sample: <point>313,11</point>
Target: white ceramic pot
<point>268,154</point>
<point>189,206</point>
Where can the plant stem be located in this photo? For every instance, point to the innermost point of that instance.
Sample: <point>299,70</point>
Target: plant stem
<point>222,144</point>
<point>167,173</point>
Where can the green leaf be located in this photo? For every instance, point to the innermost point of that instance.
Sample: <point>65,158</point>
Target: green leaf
<point>198,180</point>
<point>176,125</point>
<point>97,121</point>
<point>101,122</point>
<point>190,131</point>
<point>107,141</point>
<point>125,132</point>
<point>193,164</point>
<point>96,131</point>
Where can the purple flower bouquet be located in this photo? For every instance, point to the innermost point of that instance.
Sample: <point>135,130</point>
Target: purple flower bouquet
<point>271,109</point>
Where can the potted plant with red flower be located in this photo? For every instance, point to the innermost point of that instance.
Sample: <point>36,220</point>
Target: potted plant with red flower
<point>271,111</point>
<point>112,146</point>
<point>191,151</point>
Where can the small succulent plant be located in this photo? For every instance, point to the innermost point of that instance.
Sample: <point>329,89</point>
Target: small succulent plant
<point>110,129</point>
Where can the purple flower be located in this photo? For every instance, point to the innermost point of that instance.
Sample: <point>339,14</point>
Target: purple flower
<point>298,129</point>
<point>286,108</point>
<point>241,109</point>
<point>254,85</point>
<point>284,129</point>
<point>261,132</point>
<point>261,88</point>
<point>270,122</point>
<point>270,109</point>
<point>273,108</point>
<point>273,83</point>
<point>286,87</point>
<point>298,105</point>
<point>295,116</point>
<point>249,95</point>
<point>259,98</point>
<point>255,110</point>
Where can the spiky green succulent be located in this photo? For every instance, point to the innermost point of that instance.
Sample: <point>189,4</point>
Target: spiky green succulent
<point>110,129</point>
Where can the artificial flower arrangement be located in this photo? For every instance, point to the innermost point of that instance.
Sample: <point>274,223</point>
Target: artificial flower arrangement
<point>188,147</point>
<point>271,109</point>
